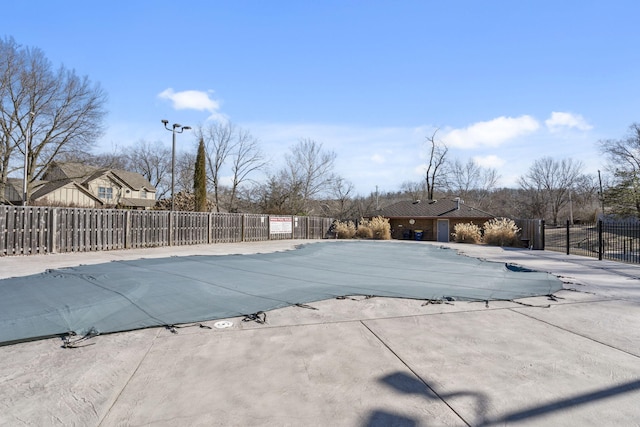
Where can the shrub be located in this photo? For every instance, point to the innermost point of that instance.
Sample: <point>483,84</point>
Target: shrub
<point>364,230</point>
<point>500,232</point>
<point>380,228</point>
<point>345,229</point>
<point>466,233</point>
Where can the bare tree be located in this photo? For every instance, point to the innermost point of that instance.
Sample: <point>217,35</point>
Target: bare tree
<point>247,158</point>
<point>471,182</point>
<point>342,192</point>
<point>549,182</point>
<point>275,196</point>
<point>310,169</point>
<point>185,168</point>
<point>114,159</point>
<point>623,163</point>
<point>623,154</point>
<point>153,161</point>
<point>50,112</point>
<point>306,176</point>
<point>435,175</point>
<point>219,140</point>
<point>416,190</point>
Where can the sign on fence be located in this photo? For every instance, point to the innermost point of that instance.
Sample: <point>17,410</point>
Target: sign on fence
<point>280,225</point>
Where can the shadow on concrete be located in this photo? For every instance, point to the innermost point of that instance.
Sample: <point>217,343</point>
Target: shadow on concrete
<point>387,419</point>
<point>407,384</point>
<point>581,399</point>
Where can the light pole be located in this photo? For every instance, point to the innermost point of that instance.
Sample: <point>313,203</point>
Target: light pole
<point>175,128</point>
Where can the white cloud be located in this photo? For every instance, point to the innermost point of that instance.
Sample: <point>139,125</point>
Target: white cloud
<point>561,120</point>
<point>377,158</point>
<point>489,161</point>
<point>194,100</point>
<point>491,133</point>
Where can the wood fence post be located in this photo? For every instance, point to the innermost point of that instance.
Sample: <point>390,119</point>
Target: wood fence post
<point>209,225</point>
<point>268,227</point>
<point>53,229</point>
<point>171,221</point>
<point>127,230</point>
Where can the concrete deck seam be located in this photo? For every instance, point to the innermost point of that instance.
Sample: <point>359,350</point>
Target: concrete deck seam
<point>142,359</point>
<point>520,311</point>
<point>415,373</point>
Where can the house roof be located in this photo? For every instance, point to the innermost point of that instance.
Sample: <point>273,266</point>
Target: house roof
<point>444,208</point>
<point>84,173</point>
<point>49,187</point>
<point>17,183</point>
<point>76,171</point>
<point>133,179</point>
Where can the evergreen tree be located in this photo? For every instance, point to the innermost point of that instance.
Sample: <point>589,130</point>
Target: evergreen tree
<point>200,180</point>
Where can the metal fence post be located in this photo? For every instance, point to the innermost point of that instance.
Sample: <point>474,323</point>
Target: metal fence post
<point>600,242</point>
<point>568,237</point>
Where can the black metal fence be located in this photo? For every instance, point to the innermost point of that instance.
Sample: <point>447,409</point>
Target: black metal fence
<point>609,240</point>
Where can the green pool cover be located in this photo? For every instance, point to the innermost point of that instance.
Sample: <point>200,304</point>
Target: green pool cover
<point>127,295</point>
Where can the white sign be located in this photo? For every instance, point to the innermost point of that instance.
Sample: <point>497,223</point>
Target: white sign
<point>280,225</point>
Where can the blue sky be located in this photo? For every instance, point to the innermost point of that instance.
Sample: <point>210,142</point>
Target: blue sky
<point>505,82</point>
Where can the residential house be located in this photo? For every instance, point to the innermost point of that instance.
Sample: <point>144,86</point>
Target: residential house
<point>77,184</point>
<point>430,220</point>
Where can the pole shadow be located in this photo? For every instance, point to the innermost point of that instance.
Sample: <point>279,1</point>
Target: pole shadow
<point>412,385</point>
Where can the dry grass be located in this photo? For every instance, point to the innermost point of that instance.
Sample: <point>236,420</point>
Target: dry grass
<point>377,228</point>
<point>364,230</point>
<point>500,232</point>
<point>381,228</point>
<point>466,233</point>
<point>345,229</point>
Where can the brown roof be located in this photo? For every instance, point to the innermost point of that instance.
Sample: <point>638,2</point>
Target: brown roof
<point>443,208</point>
<point>80,172</point>
<point>133,179</point>
<point>73,170</point>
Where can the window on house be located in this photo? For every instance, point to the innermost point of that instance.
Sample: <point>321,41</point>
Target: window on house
<point>105,193</point>
<point>143,194</point>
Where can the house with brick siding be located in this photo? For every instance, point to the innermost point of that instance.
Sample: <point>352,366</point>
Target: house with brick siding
<point>429,220</point>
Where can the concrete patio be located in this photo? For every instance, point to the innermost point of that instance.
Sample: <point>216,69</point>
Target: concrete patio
<point>572,359</point>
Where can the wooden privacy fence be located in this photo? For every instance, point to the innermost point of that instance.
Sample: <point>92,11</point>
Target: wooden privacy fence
<point>531,233</point>
<point>38,230</point>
